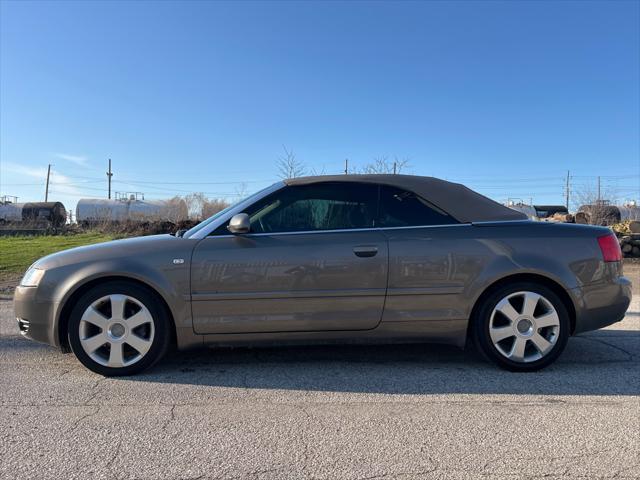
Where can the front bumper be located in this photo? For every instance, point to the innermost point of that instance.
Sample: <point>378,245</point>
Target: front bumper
<point>601,304</point>
<point>36,318</point>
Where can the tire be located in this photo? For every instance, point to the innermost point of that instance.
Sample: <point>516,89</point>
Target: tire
<point>119,328</point>
<point>521,327</point>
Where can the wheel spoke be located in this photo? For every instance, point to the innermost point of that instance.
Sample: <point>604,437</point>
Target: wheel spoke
<point>140,344</point>
<point>140,318</point>
<point>91,344</point>
<point>548,320</point>
<point>93,316</point>
<point>530,303</point>
<point>541,343</point>
<point>116,356</point>
<point>517,352</point>
<point>500,333</point>
<point>507,310</point>
<point>117,306</point>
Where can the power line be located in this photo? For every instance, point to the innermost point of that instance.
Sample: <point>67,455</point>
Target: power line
<point>199,182</point>
<point>23,184</point>
<point>160,182</point>
<point>80,189</point>
<point>563,186</point>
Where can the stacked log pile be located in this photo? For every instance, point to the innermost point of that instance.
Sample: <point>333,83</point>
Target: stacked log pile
<point>562,218</point>
<point>582,218</point>
<point>629,237</point>
<point>630,245</point>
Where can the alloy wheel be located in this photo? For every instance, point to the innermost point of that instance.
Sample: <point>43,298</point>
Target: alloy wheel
<point>524,326</point>
<point>116,330</point>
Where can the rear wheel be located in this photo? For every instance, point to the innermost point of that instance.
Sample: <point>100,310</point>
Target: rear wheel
<point>522,327</point>
<point>119,328</point>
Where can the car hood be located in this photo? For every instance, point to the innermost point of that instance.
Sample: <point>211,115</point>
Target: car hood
<point>129,247</point>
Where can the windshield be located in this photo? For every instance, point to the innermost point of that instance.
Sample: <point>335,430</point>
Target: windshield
<point>214,217</point>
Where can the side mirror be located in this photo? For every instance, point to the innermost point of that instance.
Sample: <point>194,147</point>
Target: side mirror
<point>239,223</point>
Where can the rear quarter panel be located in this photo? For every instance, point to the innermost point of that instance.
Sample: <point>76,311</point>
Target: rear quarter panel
<point>436,274</point>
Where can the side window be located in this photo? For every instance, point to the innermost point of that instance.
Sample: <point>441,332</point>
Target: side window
<point>401,208</point>
<point>319,206</point>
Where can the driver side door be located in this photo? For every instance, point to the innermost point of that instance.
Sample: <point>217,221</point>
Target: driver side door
<point>312,261</point>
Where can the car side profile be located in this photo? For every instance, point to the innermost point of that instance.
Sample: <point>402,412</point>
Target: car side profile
<point>349,258</point>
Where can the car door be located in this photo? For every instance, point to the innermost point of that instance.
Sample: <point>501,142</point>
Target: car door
<point>432,258</point>
<point>312,261</point>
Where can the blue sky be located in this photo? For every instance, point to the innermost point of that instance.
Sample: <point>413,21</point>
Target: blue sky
<point>503,96</point>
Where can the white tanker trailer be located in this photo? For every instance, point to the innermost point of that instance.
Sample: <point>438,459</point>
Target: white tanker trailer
<point>98,210</point>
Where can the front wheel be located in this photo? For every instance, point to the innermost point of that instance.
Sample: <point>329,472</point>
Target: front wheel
<point>522,327</point>
<point>119,328</point>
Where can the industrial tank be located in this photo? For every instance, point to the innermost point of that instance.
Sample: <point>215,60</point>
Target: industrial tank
<point>629,211</point>
<point>94,210</point>
<point>52,214</point>
<point>10,212</point>
<point>528,210</point>
<point>611,214</point>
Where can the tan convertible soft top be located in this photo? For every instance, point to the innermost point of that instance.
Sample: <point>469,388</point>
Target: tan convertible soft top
<point>462,203</point>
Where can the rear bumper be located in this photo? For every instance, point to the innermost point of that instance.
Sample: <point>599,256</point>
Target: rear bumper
<point>600,305</point>
<point>36,318</point>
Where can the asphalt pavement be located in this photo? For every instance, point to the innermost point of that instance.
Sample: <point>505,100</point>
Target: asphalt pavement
<point>325,412</point>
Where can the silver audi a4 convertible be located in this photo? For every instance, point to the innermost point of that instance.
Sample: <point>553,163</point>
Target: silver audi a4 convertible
<point>369,258</point>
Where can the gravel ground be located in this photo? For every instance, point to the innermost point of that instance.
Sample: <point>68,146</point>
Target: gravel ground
<point>325,412</point>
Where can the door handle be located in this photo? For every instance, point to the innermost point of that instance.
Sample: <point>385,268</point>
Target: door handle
<point>365,251</point>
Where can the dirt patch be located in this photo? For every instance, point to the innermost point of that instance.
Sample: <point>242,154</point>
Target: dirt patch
<point>8,285</point>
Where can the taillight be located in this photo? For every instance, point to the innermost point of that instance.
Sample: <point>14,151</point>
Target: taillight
<point>610,248</point>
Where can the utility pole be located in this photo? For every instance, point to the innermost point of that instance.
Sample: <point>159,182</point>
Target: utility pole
<point>109,175</point>
<point>46,192</point>
<point>566,191</point>
<point>346,166</point>
<point>395,164</point>
<point>598,190</point>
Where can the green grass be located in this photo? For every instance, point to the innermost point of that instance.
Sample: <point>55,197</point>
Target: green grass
<point>17,253</point>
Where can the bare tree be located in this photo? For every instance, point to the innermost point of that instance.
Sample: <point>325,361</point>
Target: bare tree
<point>384,165</point>
<point>213,206</point>
<point>289,166</point>
<point>595,205</point>
<point>177,209</point>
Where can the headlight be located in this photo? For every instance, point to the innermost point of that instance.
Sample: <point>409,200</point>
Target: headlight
<point>32,277</point>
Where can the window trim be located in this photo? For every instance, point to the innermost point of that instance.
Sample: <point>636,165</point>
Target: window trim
<point>278,186</point>
<point>343,230</point>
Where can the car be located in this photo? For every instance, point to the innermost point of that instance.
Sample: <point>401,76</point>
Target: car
<point>342,258</point>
